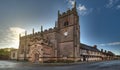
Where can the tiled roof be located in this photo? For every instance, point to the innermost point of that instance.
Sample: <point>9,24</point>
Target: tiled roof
<point>110,53</point>
<point>83,46</point>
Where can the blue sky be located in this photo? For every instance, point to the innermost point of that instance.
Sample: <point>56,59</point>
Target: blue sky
<point>99,20</point>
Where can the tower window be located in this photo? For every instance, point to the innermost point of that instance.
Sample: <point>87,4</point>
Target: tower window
<point>66,23</point>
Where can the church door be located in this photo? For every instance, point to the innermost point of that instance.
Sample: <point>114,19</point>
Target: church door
<point>36,58</point>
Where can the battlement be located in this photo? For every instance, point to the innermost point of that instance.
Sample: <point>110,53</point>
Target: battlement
<point>50,30</point>
<point>68,12</point>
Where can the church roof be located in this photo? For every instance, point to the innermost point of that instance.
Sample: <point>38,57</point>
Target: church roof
<point>86,47</point>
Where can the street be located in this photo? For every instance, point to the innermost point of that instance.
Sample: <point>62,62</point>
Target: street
<point>106,65</point>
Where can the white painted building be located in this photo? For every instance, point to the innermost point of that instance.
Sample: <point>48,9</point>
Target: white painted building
<point>88,53</point>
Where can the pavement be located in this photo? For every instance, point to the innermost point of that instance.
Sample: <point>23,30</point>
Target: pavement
<point>104,65</point>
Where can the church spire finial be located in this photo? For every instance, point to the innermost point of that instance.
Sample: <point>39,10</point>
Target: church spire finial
<point>58,12</point>
<point>25,33</point>
<point>75,4</point>
<point>19,35</point>
<point>33,31</point>
<point>55,23</point>
<point>41,28</point>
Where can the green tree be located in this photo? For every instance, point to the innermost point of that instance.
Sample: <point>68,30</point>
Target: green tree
<point>5,53</point>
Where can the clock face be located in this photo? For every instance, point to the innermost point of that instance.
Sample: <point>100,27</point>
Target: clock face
<point>65,33</point>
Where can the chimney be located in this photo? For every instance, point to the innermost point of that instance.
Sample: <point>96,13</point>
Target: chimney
<point>101,50</point>
<point>105,51</point>
<point>95,46</point>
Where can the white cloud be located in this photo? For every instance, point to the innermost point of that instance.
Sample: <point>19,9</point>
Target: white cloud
<point>110,44</point>
<point>111,3</point>
<point>71,2</point>
<point>14,35</point>
<point>16,30</point>
<point>11,37</point>
<point>83,10</point>
<point>118,7</point>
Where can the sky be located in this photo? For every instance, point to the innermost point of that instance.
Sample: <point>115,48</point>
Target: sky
<point>99,20</point>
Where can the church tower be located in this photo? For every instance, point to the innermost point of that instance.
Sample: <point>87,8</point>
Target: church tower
<point>69,34</point>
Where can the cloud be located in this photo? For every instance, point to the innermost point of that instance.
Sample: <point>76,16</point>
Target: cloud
<point>71,2</point>
<point>118,7</point>
<point>16,30</point>
<point>111,3</point>
<point>14,33</point>
<point>10,37</point>
<point>83,10</point>
<point>110,44</point>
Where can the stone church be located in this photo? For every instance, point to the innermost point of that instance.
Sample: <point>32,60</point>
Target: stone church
<point>60,42</point>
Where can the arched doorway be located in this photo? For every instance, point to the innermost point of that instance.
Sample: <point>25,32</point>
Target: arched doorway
<point>36,58</point>
<point>84,58</point>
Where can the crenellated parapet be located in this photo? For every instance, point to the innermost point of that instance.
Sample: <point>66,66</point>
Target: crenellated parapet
<point>50,30</point>
<point>68,12</point>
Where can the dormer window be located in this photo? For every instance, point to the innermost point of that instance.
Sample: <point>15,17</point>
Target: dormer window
<point>66,23</point>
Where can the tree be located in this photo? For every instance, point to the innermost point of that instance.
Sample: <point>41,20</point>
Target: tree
<point>5,53</point>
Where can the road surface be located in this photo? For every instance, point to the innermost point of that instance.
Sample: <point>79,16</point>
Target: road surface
<point>106,65</point>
